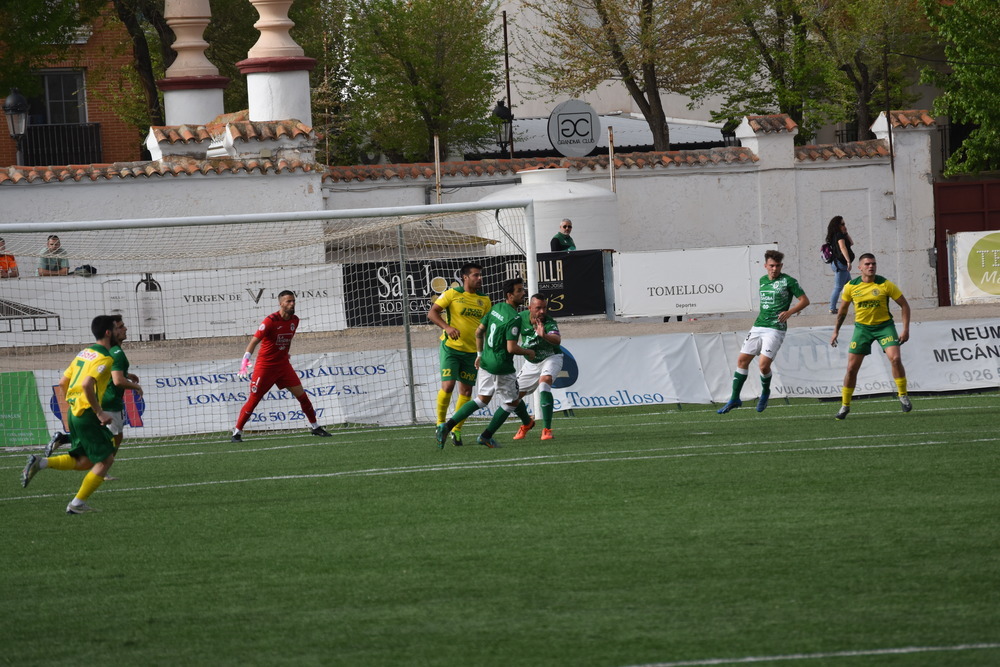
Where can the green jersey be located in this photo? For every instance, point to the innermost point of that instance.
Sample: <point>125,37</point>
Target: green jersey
<point>532,341</point>
<point>776,297</point>
<point>502,324</point>
<point>114,397</point>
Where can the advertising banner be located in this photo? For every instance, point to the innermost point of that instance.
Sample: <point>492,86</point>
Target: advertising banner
<point>975,267</point>
<point>167,306</point>
<point>684,282</point>
<point>21,418</point>
<point>369,387</point>
<point>573,282</point>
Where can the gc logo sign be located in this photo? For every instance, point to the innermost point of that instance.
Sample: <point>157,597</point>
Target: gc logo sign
<point>574,128</point>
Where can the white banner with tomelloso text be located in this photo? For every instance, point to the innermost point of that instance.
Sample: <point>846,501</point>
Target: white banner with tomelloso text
<point>682,282</point>
<point>370,387</point>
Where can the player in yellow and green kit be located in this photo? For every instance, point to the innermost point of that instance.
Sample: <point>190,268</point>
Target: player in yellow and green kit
<point>93,447</point>
<point>870,294</point>
<point>458,311</point>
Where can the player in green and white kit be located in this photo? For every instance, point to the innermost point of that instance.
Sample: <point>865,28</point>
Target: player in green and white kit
<point>113,400</point>
<point>768,331</point>
<point>539,332</point>
<point>496,340</point>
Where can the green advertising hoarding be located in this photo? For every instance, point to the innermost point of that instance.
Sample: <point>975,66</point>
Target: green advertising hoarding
<point>22,420</point>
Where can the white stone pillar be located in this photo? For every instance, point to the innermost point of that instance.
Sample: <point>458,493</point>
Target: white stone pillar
<point>277,71</point>
<point>192,88</point>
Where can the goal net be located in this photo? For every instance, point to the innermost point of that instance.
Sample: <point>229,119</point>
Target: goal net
<point>193,290</point>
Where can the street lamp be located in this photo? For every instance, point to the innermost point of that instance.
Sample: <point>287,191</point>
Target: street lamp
<point>504,120</point>
<point>15,109</point>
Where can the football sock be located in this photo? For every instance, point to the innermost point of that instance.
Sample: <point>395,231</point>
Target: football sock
<point>521,410</point>
<point>307,407</point>
<point>61,462</point>
<point>847,393</point>
<point>739,379</point>
<point>237,431</point>
<point>765,383</point>
<point>499,417</point>
<point>545,398</point>
<point>901,386</point>
<point>463,412</point>
<point>247,410</point>
<point>459,402</point>
<point>313,424</point>
<point>91,483</point>
<point>443,401</point>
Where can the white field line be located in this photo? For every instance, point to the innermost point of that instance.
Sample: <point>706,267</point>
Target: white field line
<point>576,423</point>
<point>245,449</point>
<point>905,650</point>
<point>607,457</point>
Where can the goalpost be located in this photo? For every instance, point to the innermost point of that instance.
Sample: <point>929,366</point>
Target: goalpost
<point>192,290</point>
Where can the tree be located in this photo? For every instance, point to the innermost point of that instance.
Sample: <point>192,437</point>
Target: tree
<point>969,30</point>
<point>33,32</point>
<point>819,61</point>
<point>862,38</point>
<point>771,64</point>
<point>420,69</point>
<point>653,47</point>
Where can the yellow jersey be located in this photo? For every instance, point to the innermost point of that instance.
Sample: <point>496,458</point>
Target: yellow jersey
<point>463,311</point>
<point>94,361</point>
<point>871,300</point>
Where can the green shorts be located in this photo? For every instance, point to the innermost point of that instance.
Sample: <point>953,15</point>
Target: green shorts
<point>866,334</point>
<point>456,365</point>
<point>90,437</point>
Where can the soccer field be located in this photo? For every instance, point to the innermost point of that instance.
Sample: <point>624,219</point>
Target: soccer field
<point>666,535</point>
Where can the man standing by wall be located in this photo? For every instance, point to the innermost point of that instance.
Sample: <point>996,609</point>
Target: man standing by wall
<point>53,261</point>
<point>562,240</point>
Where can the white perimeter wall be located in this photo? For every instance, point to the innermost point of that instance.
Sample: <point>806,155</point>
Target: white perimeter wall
<point>790,203</point>
<point>661,208</point>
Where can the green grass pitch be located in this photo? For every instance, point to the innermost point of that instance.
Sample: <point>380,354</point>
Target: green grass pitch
<point>663,535</point>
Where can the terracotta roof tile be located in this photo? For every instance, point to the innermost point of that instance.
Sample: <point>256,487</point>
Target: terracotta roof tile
<point>780,122</point>
<point>911,118</point>
<point>240,127</point>
<point>388,172</point>
<point>268,131</point>
<point>169,166</point>
<point>873,148</point>
<point>180,134</point>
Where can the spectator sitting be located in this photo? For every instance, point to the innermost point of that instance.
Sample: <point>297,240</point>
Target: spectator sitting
<point>8,265</point>
<point>562,240</point>
<point>53,261</point>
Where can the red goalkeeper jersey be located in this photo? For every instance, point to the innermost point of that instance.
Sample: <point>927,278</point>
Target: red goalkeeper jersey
<point>275,336</point>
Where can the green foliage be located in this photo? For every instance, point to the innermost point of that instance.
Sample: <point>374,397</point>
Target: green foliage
<point>971,84</point>
<point>321,30</point>
<point>653,47</point>
<point>422,68</point>
<point>818,62</point>
<point>637,536</point>
<point>773,64</point>
<point>33,32</point>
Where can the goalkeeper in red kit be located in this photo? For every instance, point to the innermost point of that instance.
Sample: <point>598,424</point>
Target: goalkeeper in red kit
<point>274,335</point>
